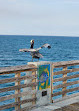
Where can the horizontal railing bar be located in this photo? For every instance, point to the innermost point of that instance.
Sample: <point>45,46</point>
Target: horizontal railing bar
<point>65,91</point>
<point>65,63</point>
<point>27,108</point>
<point>7,106</point>
<point>19,71</point>
<point>14,69</point>
<point>17,95</point>
<point>66,71</point>
<point>65,78</point>
<point>30,67</point>
<point>66,84</point>
<point>66,97</point>
<point>17,87</point>
<point>27,100</point>
<point>16,103</point>
<point>16,79</point>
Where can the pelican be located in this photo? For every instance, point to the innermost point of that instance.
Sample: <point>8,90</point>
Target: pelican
<point>35,52</point>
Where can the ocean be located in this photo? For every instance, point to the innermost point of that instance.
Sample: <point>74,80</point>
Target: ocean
<point>62,49</point>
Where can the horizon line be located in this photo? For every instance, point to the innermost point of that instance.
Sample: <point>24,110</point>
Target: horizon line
<point>38,35</point>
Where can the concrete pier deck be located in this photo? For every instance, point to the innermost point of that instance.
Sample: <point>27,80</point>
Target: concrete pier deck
<point>71,104</point>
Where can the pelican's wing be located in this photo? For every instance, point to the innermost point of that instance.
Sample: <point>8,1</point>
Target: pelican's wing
<point>39,55</point>
<point>45,45</point>
<point>36,55</point>
<point>27,50</point>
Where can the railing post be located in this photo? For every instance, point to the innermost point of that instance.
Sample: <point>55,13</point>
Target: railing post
<point>17,91</point>
<point>34,87</point>
<point>65,81</point>
<point>43,87</point>
<point>52,82</point>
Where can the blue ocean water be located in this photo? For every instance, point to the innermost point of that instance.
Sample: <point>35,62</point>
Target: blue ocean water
<point>62,49</point>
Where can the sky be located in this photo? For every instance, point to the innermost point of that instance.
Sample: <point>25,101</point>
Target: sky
<point>39,17</point>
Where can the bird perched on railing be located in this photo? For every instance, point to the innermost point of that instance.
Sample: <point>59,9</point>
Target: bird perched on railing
<point>35,52</point>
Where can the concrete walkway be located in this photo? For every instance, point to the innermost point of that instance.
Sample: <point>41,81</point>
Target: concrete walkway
<point>59,105</point>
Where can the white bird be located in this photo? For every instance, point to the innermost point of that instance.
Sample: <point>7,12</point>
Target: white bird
<point>35,52</point>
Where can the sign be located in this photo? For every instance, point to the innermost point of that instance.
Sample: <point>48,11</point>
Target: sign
<point>44,77</point>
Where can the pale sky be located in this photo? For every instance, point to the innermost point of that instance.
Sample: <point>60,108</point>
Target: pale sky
<point>39,17</point>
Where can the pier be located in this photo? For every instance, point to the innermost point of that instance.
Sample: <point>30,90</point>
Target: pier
<point>59,90</point>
